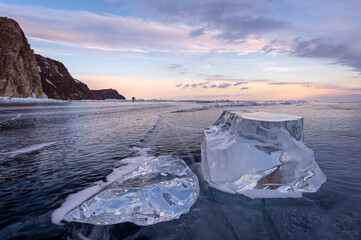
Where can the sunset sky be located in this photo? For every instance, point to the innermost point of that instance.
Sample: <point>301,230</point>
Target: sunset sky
<point>205,49</point>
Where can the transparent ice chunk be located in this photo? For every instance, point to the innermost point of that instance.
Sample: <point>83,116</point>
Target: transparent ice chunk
<point>161,189</point>
<point>260,155</point>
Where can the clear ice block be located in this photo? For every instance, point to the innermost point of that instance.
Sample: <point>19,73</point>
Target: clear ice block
<point>260,155</point>
<point>161,189</point>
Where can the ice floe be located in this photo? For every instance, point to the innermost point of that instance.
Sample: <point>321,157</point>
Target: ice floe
<point>260,155</point>
<point>145,190</point>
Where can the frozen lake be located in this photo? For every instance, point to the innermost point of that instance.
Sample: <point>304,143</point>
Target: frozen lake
<point>48,151</point>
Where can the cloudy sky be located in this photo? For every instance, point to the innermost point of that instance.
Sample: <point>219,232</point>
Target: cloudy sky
<point>204,49</point>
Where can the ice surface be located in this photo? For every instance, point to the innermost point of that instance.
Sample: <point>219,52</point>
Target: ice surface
<point>16,117</point>
<point>28,149</point>
<point>45,99</point>
<point>227,104</point>
<point>11,119</point>
<point>260,155</point>
<point>161,189</point>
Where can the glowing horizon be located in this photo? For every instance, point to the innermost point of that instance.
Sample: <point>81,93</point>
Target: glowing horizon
<point>237,50</point>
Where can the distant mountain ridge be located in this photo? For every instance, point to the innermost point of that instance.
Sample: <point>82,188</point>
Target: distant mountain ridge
<point>107,94</point>
<point>25,74</point>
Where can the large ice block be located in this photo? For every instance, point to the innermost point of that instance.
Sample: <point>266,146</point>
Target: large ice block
<point>159,190</point>
<point>260,155</point>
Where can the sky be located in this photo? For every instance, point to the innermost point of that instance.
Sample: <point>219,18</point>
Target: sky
<point>204,49</point>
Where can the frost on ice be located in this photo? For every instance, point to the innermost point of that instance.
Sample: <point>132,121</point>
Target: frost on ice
<point>161,189</point>
<point>260,155</point>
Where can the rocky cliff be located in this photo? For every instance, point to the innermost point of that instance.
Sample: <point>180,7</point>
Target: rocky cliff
<point>107,94</point>
<point>25,74</point>
<point>19,76</point>
<point>58,83</point>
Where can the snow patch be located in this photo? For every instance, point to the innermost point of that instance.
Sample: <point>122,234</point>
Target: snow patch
<point>50,82</point>
<point>57,70</point>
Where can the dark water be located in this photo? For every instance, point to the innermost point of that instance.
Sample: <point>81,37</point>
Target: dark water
<point>90,139</point>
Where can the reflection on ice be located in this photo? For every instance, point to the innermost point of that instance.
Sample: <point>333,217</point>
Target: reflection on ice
<point>260,155</point>
<point>161,189</point>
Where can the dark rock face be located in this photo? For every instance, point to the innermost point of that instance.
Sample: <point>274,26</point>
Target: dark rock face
<point>25,74</point>
<point>107,94</point>
<point>19,76</point>
<point>58,83</point>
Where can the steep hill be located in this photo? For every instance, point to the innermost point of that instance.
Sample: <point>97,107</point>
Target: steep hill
<point>19,76</point>
<point>58,83</point>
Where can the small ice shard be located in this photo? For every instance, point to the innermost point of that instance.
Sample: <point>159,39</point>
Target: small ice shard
<point>260,155</point>
<point>28,149</point>
<point>160,189</point>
